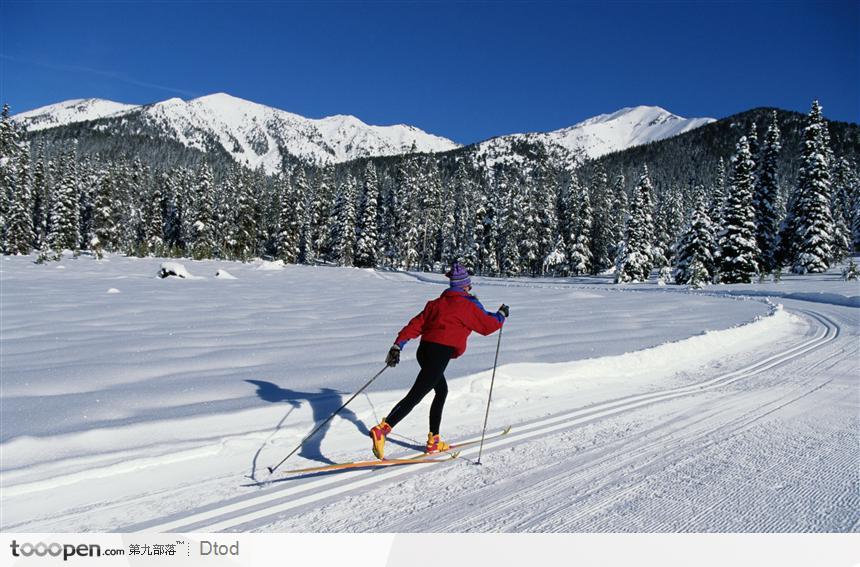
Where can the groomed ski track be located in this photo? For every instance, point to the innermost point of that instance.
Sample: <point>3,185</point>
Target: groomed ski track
<point>741,450</point>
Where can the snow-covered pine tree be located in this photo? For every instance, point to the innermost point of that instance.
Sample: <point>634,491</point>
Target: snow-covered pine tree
<point>171,191</point>
<point>244,229</point>
<point>136,186</point>
<point>672,214</point>
<point>322,218</point>
<point>766,198</point>
<point>510,224</point>
<point>603,229</point>
<point>618,216</point>
<point>406,190</point>
<point>531,261</point>
<point>65,225</point>
<point>343,229</point>
<point>460,242</point>
<point>852,205</point>
<point>491,236</point>
<point>264,209</point>
<point>450,242</point>
<point>814,222</point>
<point>477,253</point>
<point>40,196</point>
<point>556,264</point>
<point>546,193</point>
<point>387,220</point>
<point>429,206</point>
<point>855,226</point>
<point>203,243</point>
<point>846,191</point>
<point>851,272</point>
<point>153,218</point>
<point>9,151</point>
<point>19,233</point>
<point>698,275</point>
<point>367,245</point>
<point>718,194</point>
<point>634,261</point>
<point>287,243</point>
<point>290,190</point>
<point>841,240</point>
<point>755,149</point>
<point>738,250</point>
<point>184,203</point>
<point>786,249</point>
<point>87,183</point>
<point>105,231</point>
<point>224,192</point>
<point>694,258</point>
<point>579,255</point>
<point>660,246</point>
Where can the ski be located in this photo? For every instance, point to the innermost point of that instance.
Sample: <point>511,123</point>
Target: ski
<point>443,456</point>
<point>423,458</point>
<point>456,447</point>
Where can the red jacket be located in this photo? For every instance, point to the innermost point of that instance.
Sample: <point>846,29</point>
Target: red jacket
<point>449,319</point>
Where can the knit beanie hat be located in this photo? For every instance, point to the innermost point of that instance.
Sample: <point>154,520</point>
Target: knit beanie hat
<point>459,277</point>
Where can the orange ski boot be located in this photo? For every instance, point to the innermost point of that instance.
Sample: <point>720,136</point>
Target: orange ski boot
<point>378,434</point>
<point>435,444</point>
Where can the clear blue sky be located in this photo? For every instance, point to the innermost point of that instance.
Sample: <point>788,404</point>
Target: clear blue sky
<point>464,70</point>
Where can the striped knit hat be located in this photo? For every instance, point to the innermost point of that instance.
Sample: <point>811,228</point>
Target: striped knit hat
<point>459,277</point>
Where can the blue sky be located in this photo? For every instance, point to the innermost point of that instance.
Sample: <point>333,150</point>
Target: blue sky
<point>464,70</point>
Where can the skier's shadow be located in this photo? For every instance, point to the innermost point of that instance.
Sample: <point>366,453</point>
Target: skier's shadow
<point>323,404</point>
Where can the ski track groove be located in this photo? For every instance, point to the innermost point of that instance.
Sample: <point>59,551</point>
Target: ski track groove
<point>553,509</point>
<point>252,510</point>
<point>640,461</point>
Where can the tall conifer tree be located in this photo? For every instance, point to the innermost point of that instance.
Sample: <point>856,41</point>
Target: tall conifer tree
<point>738,250</point>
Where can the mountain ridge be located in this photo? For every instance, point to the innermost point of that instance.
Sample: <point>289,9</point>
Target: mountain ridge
<point>257,135</point>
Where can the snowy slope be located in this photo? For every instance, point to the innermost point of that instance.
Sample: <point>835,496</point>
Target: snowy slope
<point>254,134</point>
<point>602,134</point>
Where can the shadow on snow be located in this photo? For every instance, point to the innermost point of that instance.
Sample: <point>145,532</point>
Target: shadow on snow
<point>323,403</point>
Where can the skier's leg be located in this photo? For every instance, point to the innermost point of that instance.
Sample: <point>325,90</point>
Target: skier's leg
<point>422,386</point>
<point>433,359</point>
<point>438,405</point>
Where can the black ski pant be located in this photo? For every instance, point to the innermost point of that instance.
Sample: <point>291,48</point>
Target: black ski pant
<point>433,359</point>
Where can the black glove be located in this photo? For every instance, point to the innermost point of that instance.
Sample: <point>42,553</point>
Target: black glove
<point>393,356</point>
<point>505,310</point>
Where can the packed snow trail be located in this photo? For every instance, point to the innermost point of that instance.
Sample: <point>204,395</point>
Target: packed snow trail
<point>601,479</point>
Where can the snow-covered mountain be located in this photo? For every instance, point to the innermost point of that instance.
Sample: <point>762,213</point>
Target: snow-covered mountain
<point>257,135</point>
<point>254,134</point>
<point>601,134</point>
<point>71,111</point>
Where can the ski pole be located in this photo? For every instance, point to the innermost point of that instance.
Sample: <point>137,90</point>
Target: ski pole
<point>492,380</point>
<point>320,426</point>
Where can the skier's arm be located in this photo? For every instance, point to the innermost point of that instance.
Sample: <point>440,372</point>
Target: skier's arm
<point>481,320</point>
<point>412,330</point>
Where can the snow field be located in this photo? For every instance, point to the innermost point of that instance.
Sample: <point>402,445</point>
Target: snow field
<point>128,403</point>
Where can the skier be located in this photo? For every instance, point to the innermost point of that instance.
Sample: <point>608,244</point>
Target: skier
<point>443,325</point>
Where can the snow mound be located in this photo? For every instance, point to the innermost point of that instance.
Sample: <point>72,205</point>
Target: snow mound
<point>265,265</point>
<point>224,275</point>
<point>663,360</point>
<point>174,269</point>
<point>829,298</point>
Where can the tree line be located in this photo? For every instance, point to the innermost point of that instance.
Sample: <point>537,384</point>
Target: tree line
<point>421,211</point>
